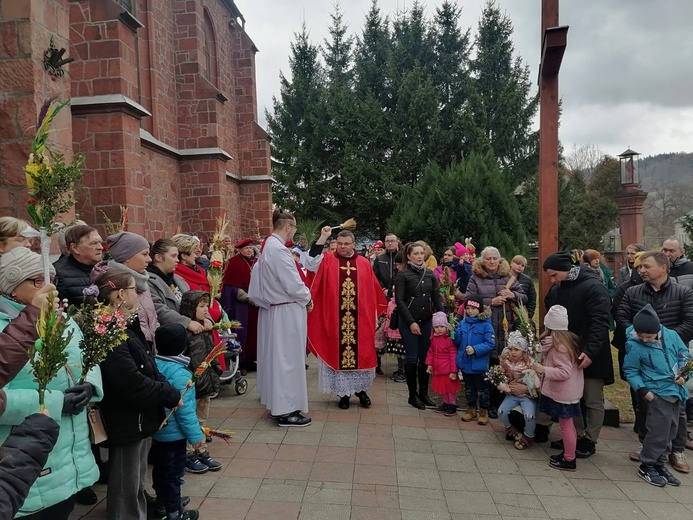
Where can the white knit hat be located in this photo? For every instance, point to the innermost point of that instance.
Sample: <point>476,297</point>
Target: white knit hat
<point>17,265</point>
<point>517,340</point>
<point>556,318</point>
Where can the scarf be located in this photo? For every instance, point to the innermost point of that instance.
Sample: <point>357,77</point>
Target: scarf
<point>141,279</point>
<point>418,268</point>
<point>573,273</point>
<point>168,278</point>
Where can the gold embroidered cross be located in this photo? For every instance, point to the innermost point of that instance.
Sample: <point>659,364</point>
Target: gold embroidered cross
<point>348,268</point>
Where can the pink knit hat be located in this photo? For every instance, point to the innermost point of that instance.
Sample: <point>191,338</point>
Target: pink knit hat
<point>460,250</point>
<point>378,245</point>
<point>440,319</point>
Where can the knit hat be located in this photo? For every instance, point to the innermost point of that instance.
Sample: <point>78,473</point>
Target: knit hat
<point>460,250</point>
<point>440,319</point>
<point>646,321</point>
<point>556,318</point>
<point>518,341</point>
<point>125,245</point>
<point>561,261</point>
<point>378,245</point>
<point>17,265</point>
<point>593,253</point>
<point>171,339</point>
<point>475,302</point>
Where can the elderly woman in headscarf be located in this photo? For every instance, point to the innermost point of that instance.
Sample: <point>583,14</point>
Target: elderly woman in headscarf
<point>130,251</point>
<point>70,466</point>
<point>237,303</point>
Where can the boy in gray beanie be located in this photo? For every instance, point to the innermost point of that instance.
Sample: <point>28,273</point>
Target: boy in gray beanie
<point>654,358</point>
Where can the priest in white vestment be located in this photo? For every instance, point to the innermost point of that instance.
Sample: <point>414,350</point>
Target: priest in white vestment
<point>284,300</point>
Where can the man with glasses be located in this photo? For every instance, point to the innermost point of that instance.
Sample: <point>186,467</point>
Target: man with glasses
<point>385,267</point>
<point>348,299</point>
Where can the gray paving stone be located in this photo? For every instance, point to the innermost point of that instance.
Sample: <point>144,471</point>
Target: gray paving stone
<point>414,445</point>
<point>558,486</point>
<point>643,491</point>
<point>422,504</point>
<point>326,493</point>
<point>516,484</point>
<point>409,432</point>
<point>323,511</point>
<point>459,463</point>
<point>519,506</point>
<point>485,437</point>
<point>275,436</point>
<point>488,450</point>
<point>590,489</point>
<point>618,509</point>
<point>450,448</point>
<point>470,503</point>
<point>568,508</point>
<point>456,481</point>
<point>286,492</point>
<point>450,435</point>
<point>409,514</point>
<point>496,466</point>
<point>418,478</point>
<point>411,459</point>
<point>236,487</point>
<point>343,440</point>
<point>659,511</point>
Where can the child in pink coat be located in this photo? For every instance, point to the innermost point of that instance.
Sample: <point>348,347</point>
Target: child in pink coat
<point>441,363</point>
<point>563,382</point>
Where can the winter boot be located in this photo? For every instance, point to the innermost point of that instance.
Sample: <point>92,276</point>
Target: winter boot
<point>483,417</point>
<point>469,415</point>
<point>423,387</point>
<point>207,460</point>
<point>410,373</point>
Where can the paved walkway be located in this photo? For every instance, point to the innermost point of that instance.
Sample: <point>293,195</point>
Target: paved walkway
<point>392,461</point>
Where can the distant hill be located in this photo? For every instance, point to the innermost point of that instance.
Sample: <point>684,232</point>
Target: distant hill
<point>674,167</point>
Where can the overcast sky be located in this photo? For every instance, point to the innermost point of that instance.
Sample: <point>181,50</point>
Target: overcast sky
<point>626,78</point>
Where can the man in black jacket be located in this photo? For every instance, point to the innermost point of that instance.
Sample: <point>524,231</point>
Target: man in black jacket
<point>673,303</point>
<point>681,267</point>
<point>385,267</point>
<point>587,301</point>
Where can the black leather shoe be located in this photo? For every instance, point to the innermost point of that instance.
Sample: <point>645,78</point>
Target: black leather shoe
<point>86,497</point>
<point>492,413</point>
<point>557,445</point>
<point>585,448</point>
<point>344,402</point>
<point>427,401</point>
<point>541,433</point>
<point>364,400</point>
<point>416,402</point>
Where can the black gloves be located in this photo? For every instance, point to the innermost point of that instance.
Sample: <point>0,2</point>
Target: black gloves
<point>76,398</point>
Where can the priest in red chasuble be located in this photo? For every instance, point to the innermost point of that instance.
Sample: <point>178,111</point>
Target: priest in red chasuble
<point>341,331</point>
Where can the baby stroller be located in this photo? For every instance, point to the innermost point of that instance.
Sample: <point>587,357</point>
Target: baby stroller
<point>232,356</point>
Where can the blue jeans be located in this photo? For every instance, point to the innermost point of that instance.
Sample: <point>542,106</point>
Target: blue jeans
<point>475,385</point>
<point>529,410</point>
<point>416,347</point>
<point>168,459</point>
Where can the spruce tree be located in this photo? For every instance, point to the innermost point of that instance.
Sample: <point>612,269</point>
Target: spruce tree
<point>504,107</point>
<point>296,126</point>
<point>465,199</point>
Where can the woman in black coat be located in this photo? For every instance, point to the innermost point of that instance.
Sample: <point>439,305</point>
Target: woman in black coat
<point>135,395</point>
<point>418,296</point>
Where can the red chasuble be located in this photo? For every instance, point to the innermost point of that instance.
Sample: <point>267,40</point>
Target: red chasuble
<point>347,298</point>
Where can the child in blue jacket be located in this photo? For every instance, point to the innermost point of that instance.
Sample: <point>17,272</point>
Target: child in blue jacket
<point>168,447</point>
<point>475,338</point>
<point>654,357</point>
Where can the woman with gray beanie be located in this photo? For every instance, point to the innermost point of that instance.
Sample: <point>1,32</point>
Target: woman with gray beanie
<point>70,466</point>
<point>130,252</point>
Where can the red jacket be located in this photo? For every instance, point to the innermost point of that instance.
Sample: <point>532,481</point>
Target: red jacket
<point>441,355</point>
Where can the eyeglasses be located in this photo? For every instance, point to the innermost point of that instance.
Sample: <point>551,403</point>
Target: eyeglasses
<point>38,282</point>
<point>294,225</point>
<point>134,287</point>
<point>344,244</point>
<point>391,240</point>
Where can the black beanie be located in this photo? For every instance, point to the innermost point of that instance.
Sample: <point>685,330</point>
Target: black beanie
<point>475,298</point>
<point>171,339</point>
<point>561,261</point>
<point>646,321</point>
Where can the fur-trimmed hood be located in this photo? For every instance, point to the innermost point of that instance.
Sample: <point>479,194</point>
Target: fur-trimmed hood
<point>478,268</point>
<point>486,314</point>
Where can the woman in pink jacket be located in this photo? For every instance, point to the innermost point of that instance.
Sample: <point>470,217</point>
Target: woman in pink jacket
<point>563,382</point>
<point>440,362</point>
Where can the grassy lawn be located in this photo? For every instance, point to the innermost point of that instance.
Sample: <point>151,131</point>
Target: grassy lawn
<point>619,393</point>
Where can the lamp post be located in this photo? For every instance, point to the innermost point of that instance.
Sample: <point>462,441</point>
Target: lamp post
<point>630,200</point>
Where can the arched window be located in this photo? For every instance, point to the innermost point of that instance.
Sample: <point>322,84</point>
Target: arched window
<point>209,67</point>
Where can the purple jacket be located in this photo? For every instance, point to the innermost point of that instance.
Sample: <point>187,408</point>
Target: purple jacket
<point>488,286</point>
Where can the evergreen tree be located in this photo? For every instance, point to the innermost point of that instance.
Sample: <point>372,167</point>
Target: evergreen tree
<point>504,108</point>
<point>588,211</point>
<point>465,199</point>
<point>452,82</point>
<point>296,128</point>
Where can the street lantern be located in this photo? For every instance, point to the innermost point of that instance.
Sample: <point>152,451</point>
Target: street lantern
<point>630,168</point>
